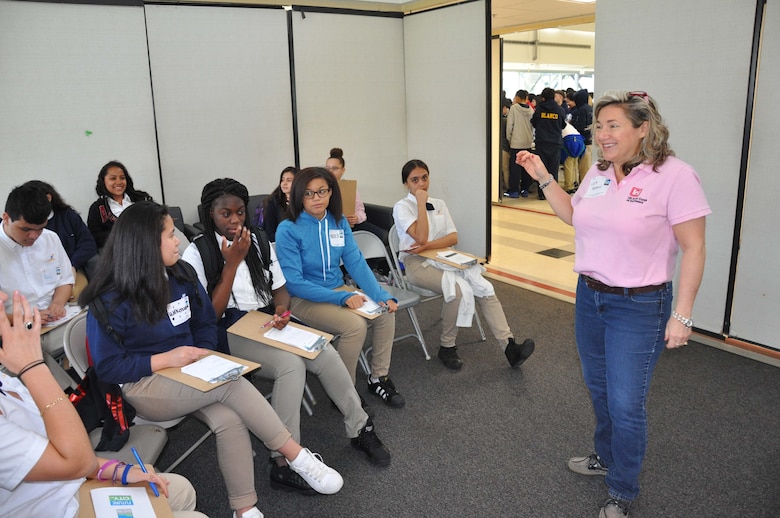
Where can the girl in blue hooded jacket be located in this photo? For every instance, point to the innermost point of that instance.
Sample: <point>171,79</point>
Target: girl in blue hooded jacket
<point>311,245</point>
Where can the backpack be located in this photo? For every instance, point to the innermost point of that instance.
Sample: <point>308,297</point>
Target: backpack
<point>101,404</point>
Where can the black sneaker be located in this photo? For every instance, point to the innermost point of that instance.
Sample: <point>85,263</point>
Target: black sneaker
<point>369,443</point>
<point>284,478</point>
<point>385,389</point>
<point>449,357</point>
<point>518,353</point>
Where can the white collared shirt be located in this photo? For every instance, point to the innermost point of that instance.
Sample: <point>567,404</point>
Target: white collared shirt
<point>243,294</point>
<point>36,271</point>
<point>116,207</point>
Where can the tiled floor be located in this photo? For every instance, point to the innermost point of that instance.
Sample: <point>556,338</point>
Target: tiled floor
<point>532,248</point>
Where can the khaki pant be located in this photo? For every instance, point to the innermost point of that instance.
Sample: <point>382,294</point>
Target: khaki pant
<point>288,372</point>
<point>228,410</point>
<point>353,329</point>
<point>430,277</point>
<point>585,161</point>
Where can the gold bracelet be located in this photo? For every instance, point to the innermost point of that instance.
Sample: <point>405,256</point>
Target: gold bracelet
<point>61,398</point>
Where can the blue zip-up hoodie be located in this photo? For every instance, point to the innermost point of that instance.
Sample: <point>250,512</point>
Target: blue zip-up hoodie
<point>310,252</point>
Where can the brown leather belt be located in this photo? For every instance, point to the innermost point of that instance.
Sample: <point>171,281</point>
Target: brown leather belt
<point>603,288</point>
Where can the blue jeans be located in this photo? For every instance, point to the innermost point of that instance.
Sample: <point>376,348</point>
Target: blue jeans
<point>619,339</point>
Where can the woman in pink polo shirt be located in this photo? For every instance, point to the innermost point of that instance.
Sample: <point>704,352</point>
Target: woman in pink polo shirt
<point>636,208</point>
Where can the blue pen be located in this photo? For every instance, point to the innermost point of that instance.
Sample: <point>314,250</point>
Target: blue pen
<point>143,468</point>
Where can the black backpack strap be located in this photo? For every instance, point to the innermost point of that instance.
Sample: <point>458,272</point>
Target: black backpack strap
<point>213,262</point>
<point>100,312</point>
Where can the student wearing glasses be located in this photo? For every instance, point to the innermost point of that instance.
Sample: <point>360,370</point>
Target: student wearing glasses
<point>311,245</point>
<point>636,209</point>
<point>424,223</point>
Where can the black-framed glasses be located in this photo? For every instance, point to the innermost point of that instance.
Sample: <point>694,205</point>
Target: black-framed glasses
<point>640,94</point>
<point>322,193</point>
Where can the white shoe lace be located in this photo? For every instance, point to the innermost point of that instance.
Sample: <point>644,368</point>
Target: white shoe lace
<point>312,468</point>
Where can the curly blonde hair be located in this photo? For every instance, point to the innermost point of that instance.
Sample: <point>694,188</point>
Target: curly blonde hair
<point>639,108</point>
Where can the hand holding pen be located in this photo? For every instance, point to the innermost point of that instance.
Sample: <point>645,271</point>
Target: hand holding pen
<point>143,468</point>
<point>280,319</point>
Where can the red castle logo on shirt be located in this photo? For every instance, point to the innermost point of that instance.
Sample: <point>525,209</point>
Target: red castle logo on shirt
<point>634,196</point>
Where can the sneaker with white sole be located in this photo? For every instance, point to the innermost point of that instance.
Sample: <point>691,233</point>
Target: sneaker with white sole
<point>322,478</point>
<point>590,465</point>
<point>385,390</point>
<point>614,508</point>
<point>252,513</point>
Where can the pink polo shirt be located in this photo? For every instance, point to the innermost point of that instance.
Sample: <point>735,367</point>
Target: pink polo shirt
<point>623,233</point>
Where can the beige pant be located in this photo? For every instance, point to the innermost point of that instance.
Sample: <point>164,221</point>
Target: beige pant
<point>585,161</point>
<point>570,169</point>
<point>430,277</point>
<point>228,410</point>
<point>353,329</point>
<point>288,372</point>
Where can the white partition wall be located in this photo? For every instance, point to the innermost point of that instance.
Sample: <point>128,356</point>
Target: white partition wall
<point>222,98</point>
<point>757,286</point>
<point>687,71</point>
<point>350,94</point>
<point>446,106</point>
<point>74,94</point>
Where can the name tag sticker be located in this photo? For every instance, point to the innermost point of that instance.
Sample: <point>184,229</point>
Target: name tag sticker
<point>336,237</point>
<point>598,187</point>
<point>179,310</point>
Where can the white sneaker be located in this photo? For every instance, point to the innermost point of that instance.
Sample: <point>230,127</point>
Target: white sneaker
<point>321,478</point>
<point>252,513</point>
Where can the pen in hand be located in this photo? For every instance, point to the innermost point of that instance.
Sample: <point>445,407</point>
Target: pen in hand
<point>143,468</point>
<point>273,320</point>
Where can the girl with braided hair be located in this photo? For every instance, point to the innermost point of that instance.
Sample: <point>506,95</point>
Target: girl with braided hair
<point>241,274</point>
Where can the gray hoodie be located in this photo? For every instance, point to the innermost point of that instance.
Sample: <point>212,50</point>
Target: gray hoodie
<point>519,132</point>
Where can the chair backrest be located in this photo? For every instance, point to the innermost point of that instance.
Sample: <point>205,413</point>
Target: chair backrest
<point>75,344</point>
<point>178,219</point>
<point>372,247</point>
<point>394,241</point>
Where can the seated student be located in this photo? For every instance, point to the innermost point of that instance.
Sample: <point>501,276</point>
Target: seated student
<point>244,275</point>
<point>161,317</point>
<point>33,261</point>
<point>276,204</point>
<point>437,230</point>
<point>311,245</point>
<point>358,221</point>
<point>71,229</point>
<point>45,452</point>
<point>115,192</point>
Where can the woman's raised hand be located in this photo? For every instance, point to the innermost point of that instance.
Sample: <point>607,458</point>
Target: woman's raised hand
<point>21,343</point>
<point>532,164</point>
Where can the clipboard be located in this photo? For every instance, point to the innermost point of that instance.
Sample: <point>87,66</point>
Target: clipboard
<point>250,326</point>
<point>355,311</point>
<point>432,254</point>
<point>160,504</point>
<point>176,374</point>
<point>348,190</point>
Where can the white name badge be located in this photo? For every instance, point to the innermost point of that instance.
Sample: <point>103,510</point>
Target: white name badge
<point>336,237</point>
<point>179,310</point>
<point>598,187</point>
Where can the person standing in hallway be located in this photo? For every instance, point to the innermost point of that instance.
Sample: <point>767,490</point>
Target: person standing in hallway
<point>520,135</point>
<point>548,122</point>
<point>582,119</point>
<point>643,202</point>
